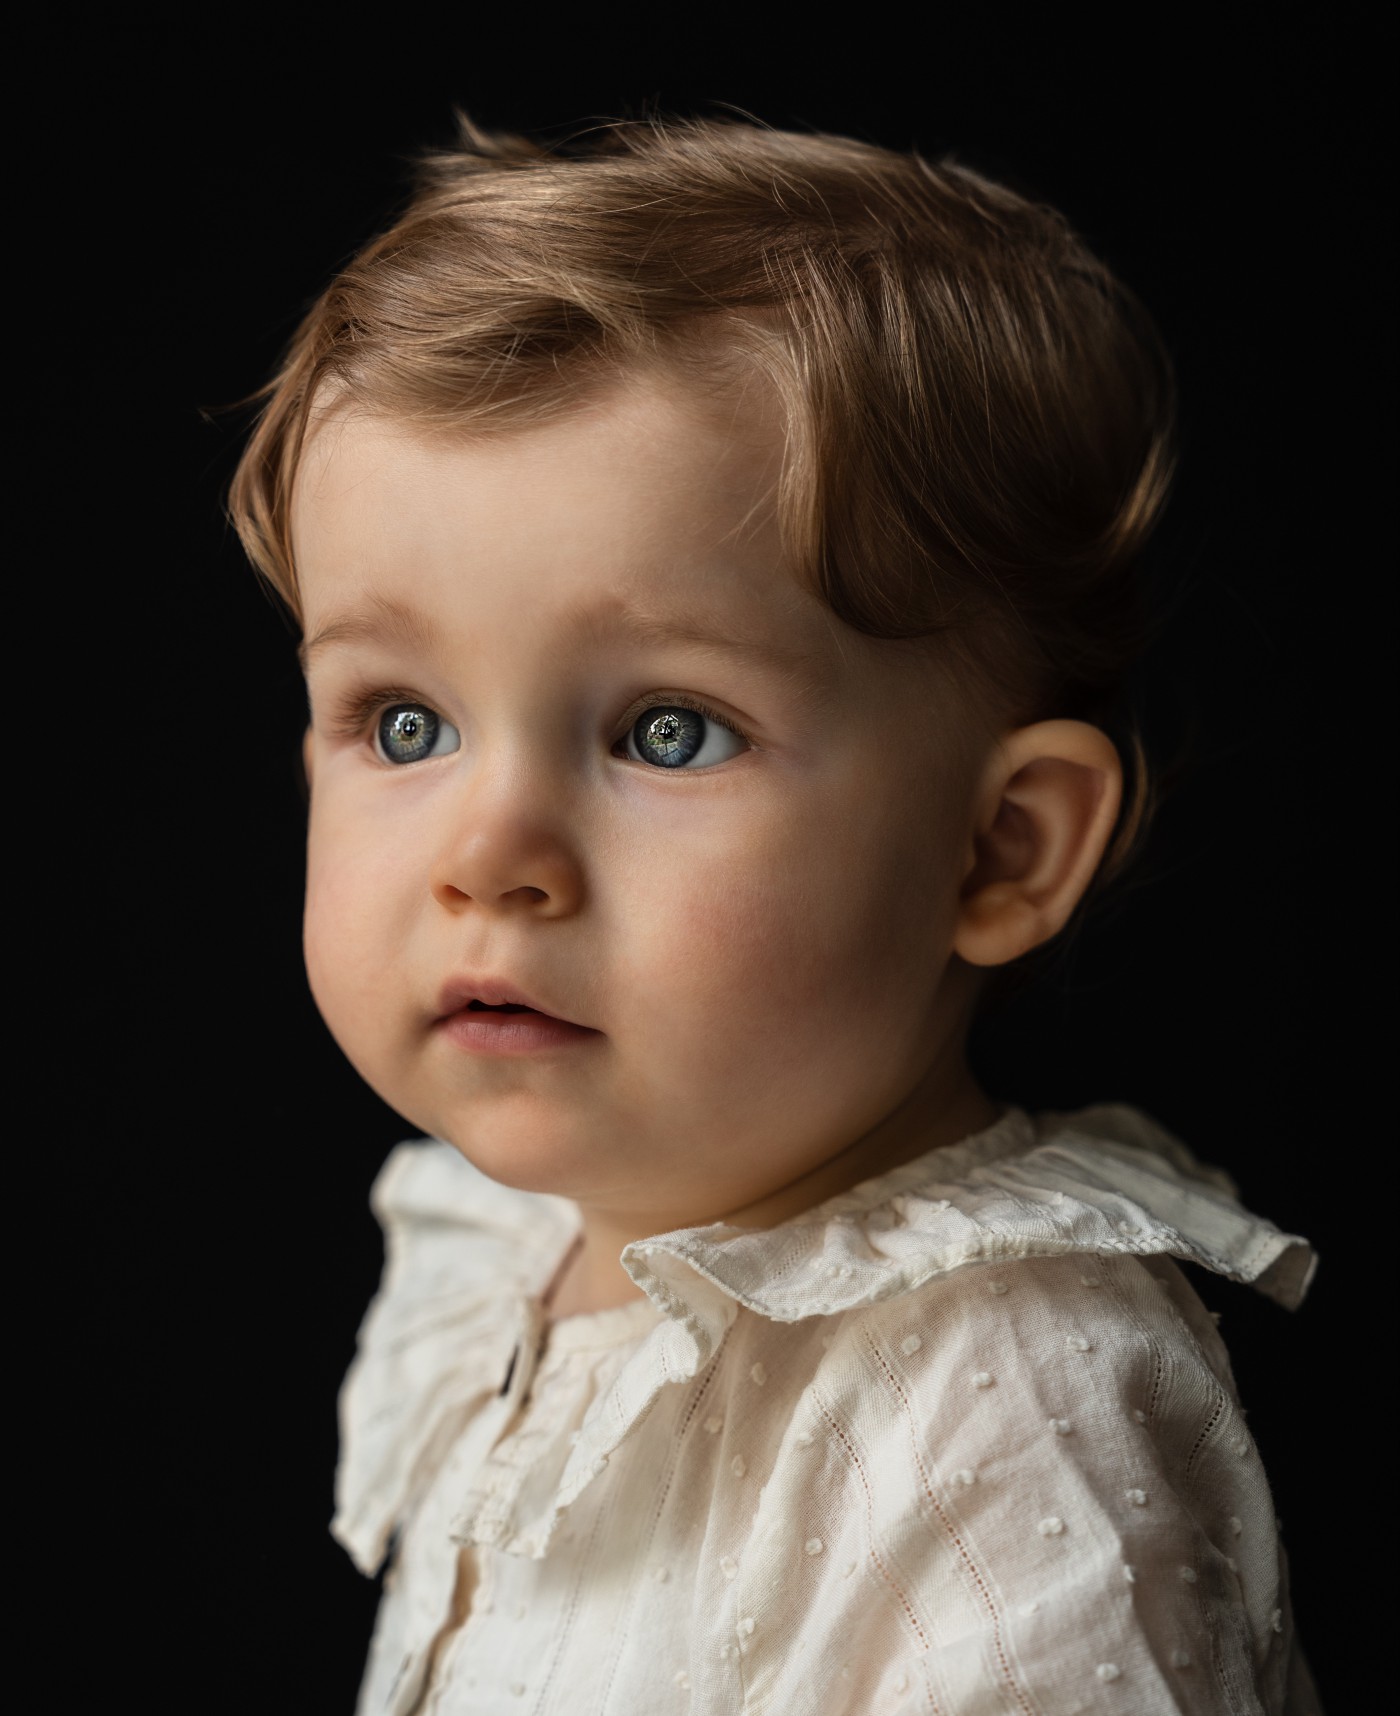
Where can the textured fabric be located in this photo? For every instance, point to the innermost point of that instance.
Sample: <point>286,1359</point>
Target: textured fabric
<point>961,1440</point>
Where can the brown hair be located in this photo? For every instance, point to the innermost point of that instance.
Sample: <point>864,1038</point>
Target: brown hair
<point>978,412</point>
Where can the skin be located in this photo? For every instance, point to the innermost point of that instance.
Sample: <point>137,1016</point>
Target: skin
<point>779,951</point>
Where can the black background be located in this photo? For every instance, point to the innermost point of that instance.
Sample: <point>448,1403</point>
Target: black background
<point>195,190</point>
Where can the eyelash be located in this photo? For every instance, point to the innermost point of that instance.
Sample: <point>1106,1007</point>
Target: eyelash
<point>352,716</point>
<point>677,700</point>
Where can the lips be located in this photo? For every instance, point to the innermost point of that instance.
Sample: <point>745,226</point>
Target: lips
<point>487,1019</point>
<point>482,994</point>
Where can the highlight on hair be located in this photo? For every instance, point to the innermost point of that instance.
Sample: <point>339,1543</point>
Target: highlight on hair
<point>978,413</point>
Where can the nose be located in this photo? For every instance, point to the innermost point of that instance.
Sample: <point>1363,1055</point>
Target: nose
<point>507,849</point>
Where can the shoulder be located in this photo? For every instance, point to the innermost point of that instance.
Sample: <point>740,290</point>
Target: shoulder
<point>1051,1461</point>
<point>1036,1342</point>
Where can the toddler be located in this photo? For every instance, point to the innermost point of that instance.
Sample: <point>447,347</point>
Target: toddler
<point>716,554</point>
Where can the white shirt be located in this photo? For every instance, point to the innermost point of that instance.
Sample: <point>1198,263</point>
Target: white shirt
<point>961,1440</point>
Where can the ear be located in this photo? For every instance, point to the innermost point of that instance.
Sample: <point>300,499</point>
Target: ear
<point>1044,811</point>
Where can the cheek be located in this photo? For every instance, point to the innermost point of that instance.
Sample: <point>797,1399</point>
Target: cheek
<point>802,926</point>
<point>354,886</point>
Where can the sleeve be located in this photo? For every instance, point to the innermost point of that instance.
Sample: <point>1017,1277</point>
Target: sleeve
<point>1031,1492</point>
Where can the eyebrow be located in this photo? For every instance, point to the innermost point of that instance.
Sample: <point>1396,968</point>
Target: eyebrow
<point>382,618</point>
<point>643,628</point>
<point>385,618</point>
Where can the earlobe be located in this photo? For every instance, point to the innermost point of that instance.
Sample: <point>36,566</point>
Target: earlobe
<point>1045,810</point>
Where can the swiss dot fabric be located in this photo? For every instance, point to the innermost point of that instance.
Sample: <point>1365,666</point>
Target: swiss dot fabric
<point>961,1440</point>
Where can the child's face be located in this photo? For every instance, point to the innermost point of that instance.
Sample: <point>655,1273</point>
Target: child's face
<point>759,940</point>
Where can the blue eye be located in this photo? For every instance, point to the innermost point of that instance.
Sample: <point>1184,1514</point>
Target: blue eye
<point>409,732</point>
<point>670,737</point>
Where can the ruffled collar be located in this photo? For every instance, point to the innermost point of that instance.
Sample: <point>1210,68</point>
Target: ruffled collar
<point>1105,1180</point>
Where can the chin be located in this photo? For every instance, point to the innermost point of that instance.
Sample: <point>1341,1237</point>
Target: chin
<point>529,1155</point>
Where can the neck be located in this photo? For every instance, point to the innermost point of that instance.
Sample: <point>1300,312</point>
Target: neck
<point>945,1108</point>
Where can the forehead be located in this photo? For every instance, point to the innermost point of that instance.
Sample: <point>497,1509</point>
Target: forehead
<point>646,497</point>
